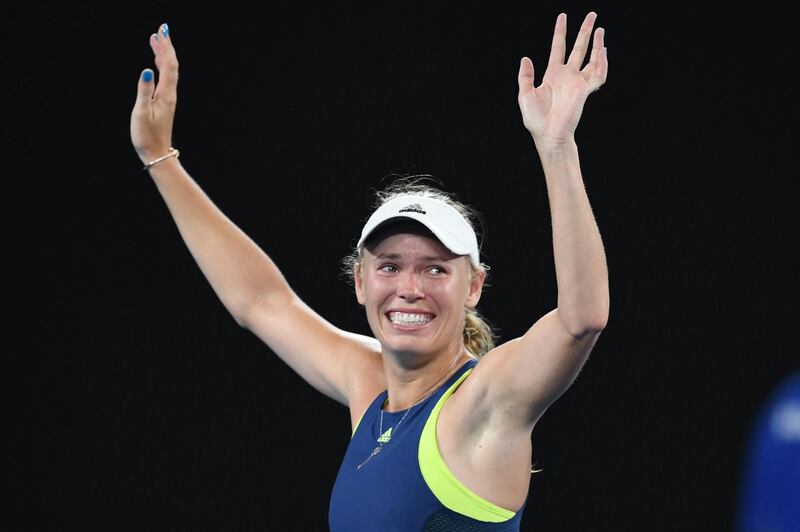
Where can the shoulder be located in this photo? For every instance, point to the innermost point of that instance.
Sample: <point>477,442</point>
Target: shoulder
<point>488,455</point>
<point>468,409</point>
<point>476,409</point>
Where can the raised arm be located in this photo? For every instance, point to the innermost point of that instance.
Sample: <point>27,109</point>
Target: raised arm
<point>524,376</point>
<point>245,279</point>
<point>551,113</point>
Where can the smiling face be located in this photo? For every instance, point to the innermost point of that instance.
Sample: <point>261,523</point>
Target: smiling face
<point>415,291</point>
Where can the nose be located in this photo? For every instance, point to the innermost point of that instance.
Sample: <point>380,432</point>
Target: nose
<point>410,286</point>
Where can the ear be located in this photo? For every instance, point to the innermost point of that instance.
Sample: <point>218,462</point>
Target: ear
<point>475,288</point>
<point>358,283</point>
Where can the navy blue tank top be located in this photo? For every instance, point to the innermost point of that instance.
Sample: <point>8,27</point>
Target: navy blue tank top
<point>406,487</point>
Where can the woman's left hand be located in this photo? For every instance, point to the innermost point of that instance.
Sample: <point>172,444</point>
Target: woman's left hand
<point>552,110</point>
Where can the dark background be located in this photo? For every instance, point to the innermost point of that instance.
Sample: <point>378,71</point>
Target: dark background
<point>144,406</point>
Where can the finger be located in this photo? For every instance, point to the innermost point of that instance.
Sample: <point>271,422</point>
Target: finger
<point>145,89</point>
<point>525,76</point>
<point>598,64</point>
<point>578,53</point>
<point>559,46</point>
<point>167,64</point>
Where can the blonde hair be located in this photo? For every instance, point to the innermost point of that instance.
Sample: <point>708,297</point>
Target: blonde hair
<point>479,335</point>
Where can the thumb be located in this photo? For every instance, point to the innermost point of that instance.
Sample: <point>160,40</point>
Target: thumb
<point>145,90</point>
<point>525,76</point>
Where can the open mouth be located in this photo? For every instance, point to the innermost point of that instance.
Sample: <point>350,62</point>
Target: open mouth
<point>408,320</point>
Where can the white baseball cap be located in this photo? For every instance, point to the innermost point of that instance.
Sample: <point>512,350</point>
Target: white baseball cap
<point>443,220</point>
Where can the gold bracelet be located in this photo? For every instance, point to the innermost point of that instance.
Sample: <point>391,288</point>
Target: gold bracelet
<point>173,152</point>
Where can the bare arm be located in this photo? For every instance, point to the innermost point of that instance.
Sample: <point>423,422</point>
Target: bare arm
<point>534,370</point>
<point>521,378</point>
<point>246,280</point>
<point>237,269</point>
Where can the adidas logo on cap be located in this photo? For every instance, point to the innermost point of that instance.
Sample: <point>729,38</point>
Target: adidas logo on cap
<point>414,207</point>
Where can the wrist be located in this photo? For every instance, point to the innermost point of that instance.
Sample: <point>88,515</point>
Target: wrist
<point>554,149</point>
<point>172,153</point>
<point>164,168</point>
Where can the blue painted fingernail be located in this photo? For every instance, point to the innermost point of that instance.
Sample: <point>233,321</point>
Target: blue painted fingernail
<point>165,30</point>
<point>147,75</point>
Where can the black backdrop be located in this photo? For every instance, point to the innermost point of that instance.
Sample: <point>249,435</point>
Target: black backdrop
<point>144,406</point>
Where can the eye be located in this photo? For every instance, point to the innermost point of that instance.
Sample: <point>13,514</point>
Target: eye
<point>391,268</point>
<point>437,270</point>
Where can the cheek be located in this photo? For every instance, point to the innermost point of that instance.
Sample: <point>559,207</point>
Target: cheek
<point>452,293</point>
<point>374,288</point>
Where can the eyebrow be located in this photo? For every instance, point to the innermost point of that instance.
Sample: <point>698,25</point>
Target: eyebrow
<point>399,256</point>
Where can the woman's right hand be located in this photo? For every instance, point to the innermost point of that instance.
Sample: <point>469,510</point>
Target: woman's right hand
<point>154,110</point>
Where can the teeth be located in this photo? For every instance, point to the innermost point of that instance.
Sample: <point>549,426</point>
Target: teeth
<point>405,318</point>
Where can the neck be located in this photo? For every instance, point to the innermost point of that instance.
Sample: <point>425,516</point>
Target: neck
<point>407,388</point>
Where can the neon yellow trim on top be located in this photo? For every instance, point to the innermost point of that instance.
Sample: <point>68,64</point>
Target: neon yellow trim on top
<point>356,427</point>
<point>444,485</point>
